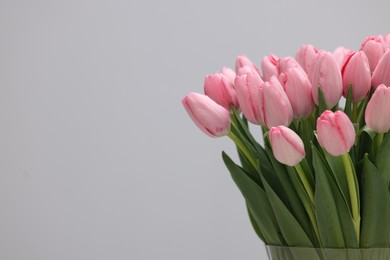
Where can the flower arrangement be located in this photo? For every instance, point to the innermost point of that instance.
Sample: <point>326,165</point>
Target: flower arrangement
<point>319,177</point>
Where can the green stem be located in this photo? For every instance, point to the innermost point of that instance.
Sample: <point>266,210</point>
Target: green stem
<point>264,131</point>
<point>307,136</point>
<point>360,114</point>
<point>308,206</point>
<point>243,149</point>
<point>233,119</point>
<point>377,141</point>
<point>305,182</point>
<point>354,112</point>
<point>352,186</point>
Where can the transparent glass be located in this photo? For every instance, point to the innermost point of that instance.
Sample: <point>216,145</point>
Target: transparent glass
<point>301,253</point>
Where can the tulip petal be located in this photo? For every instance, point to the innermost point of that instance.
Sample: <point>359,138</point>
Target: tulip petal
<point>210,117</point>
<point>378,110</point>
<point>381,73</point>
<point>287,146</point>
<point>336,133</point>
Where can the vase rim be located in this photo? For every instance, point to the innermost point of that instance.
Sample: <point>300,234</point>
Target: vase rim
<point>327,248</point>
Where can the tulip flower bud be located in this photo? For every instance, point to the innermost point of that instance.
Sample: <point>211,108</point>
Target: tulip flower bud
<point>218,87</point>
<point>247,88</point>
<point>286,63</point>
<point>326,75</point>
<point>244,70</point>
<point>336,133</point>
<point>339,54</point>
<point>374,48</point>
<point>268,66</point>
<point>381,73</point>
<point>275,107</point>
<point>297,86</point>
<point>230,74</point>
<point>210,117</point>
<point>287,146</point>
<point>356,72</point>
<point>306,56</point>
<point>378,110</point>
<point>242,61</point>
<point>386,38</point>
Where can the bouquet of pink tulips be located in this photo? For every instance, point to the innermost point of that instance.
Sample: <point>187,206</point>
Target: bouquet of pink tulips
<point>319,177</point>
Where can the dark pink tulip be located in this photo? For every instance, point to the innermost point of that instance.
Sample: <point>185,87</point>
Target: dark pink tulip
<point>218,87</point>
<point>287,146</point>
<point>306,56</point>
<point>381,73</point>
<point>242,61</point>
<point>247,88</point>
<point>356,72</point>
<point>229,73</point>
<point>297,86</point>
<point>275,107</point>
<point>268,66</point>
<point>374,47</point>
<point>339,54</point>
<point>336,133</point>
<point>210,117</point>
<point>326,75</point>
<point>378,110</point>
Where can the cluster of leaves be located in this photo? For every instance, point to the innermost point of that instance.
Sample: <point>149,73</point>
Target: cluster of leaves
<point>280,209</point>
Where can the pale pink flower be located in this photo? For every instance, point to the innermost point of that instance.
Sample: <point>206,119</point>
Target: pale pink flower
<point>287,146</point>
<point>336,133</point>
<point>212,118</point>
<point>378,110</point>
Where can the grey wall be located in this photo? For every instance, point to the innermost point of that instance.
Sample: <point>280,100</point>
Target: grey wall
<point>98,159</point>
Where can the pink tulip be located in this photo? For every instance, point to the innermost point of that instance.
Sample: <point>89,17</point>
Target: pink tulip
<point>374,47</point>
<point>287,146</point>
<point>339,54</point>
<point>244,70</point>
<point>242,61</point>
<point>268,66</point>
<point>336,133</point>
<point>306,56</point>
<point>326,75</point>
<point>218,87</point>
<point>386,38</point>
<point>275,107</point>
<point>229,73</point>
<point>297,86</point>
<point>381,73</point>
<point>378,110</point>
<point>211,118</point>
<point>285,63</point>
<point>247,88</point>
<point>356,72</point>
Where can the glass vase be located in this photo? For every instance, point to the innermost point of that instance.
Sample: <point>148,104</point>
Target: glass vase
<point>301,253</point>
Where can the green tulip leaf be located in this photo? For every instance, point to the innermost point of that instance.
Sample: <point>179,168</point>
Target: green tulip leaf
<point>371,133</point>
<point>254,224</point>
<point>337,166</point>
<point>289,226</point>
<point>382,161</point>
<point>330,230</point>
<point>308,206</point>
<point>257,201</point>
<point>292,199</point>
<point>375,208</point>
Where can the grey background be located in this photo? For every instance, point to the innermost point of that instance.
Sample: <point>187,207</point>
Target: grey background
<point>98,159</point>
